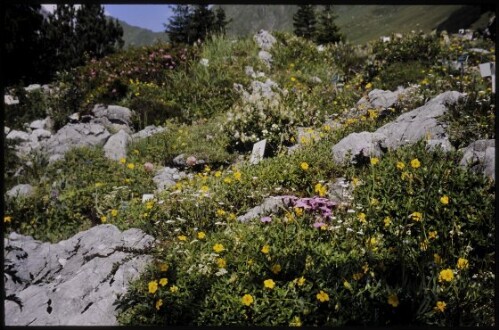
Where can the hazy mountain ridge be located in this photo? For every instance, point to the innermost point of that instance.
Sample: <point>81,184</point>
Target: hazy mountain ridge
<point>137,36</point>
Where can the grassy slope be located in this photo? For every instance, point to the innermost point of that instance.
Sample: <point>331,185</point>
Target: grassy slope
<point>136,36</point>
<point>359,23</point>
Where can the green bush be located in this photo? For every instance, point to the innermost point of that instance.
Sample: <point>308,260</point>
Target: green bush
<point>400,74</point>
<point>32,106</point>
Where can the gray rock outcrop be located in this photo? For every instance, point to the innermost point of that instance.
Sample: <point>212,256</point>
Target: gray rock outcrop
<point>21,190</point>
<point>116,146</point>
<point>264,40</point>
<point>408,128</point>
<point>147,132</point>
<point>269,205</point>
<point>480,157</point>
<point>114,113</point>
<point>73,282</point>
<point>265,57</point>
<point>167,177</point>
<point>75,135</point>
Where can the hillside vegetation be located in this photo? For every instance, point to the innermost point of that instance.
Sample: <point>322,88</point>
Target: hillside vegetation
<point>360,24</point>
<point>409,240</point>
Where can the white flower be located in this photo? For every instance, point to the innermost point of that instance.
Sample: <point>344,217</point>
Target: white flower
<point>204,62</point>
<point>221,272</point>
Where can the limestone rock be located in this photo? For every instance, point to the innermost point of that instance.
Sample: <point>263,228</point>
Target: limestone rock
<point>269,205</point>
<point>73,282</point>
<point>148,131</point>
<point>264,40</point>
<point>480,157</point>
<point>41,134</point>
<point>75,135</point>
<point>21,190</point>
<point>167,177</point>
<point>419,123</point>
<point>114,113</point>
<point>32,87</point>
<point>19,136</point>
<point>265,57</point>
<point>116,146</point>
<point>10,100</point>
<point>357,145</point>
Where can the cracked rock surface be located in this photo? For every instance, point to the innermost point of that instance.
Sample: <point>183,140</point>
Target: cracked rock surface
<point>72,282</point>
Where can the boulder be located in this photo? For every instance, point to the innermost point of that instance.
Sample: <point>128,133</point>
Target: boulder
<point>21,190</point>
<point>116,146</point>
<point>167,177</point>
<point>269,205</point>
<point>114,113</point>
<point>264,40</point>
<point>480,157</point>
<point>147,132</point>
<point>6,130</point>
<point>32,87</point>
<point>10,100</point>
<point>75,135</point>
<point>41,134</point>
<point>419,123</point>
<point>444,144</point>
<point>18,136</point>
<point>46,124</point>
<point>359,145</point>
<point>73,282</point>
<point>265,57</point>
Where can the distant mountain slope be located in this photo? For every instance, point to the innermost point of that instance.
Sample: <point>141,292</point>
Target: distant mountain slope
<point>137,36</point>
<point>360,23</point>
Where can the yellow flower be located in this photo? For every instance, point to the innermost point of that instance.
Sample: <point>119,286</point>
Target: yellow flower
<point>218,174</point>
<point>201,235</point>
<point>131,166</point>
<point>163,267</point>
<point>227,180</point>
<point>446,275</point>
<point>182,238</point>
<point>416,216</point>
<point>387,221</point>
<point>320,189</point>
<point>159,303</point>
<point>250,262</point>
<point>304,166</point>
<point>415,163</point>
<point>362,217</point>
<point>98,184</point>
<point>322,296</point>
<point>114,212</point>
<point>369,86</point>
<point>269,284</point>
<point>206,169</point>
<point>149,205</point>
<point>347,285</point>
<point>298,211</point>
<point>103,218</point>
<point>437,258</point>
<point>432,234</point>
<point>357,276</point>
<point>247,299</point>
<point>221,263</point>
<point>163,281</point>
<point>205,189</point>
<point>265,249</point>
<point>440,306</point>
<point>355,182</point>
<point>293,79</point>
<point>462,263</point>
<point>232,216</point>
<point>374,160</point>
<point>296,322</point>
<point>220,213</point>
<point>122,160</point>
<point>400,165</point>
<point>136,151</point>
<point>444,199</point>
<point>153,286</point>
<point>173,289</point>
<point>276,268</point>
<point>289,217</point>
<point>393,300</point>
<point>300,281</point>
<point>237,175</point>
<point>7,219</point>
<point>218,248</point>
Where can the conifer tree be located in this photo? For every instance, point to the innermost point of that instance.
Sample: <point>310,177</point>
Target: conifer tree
<point>178,25</point>
<point>221,21</point>
<point>202,22</point>
<point>328,31</point>
<point>304,22</point>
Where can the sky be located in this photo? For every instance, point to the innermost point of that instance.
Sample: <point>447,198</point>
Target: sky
<point>151,17</point>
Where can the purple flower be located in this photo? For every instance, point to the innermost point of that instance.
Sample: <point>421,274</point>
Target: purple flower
<point>319,224</point>
<point>266,219</point>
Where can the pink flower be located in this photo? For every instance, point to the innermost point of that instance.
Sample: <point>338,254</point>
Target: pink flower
<point>319,224</point>
<point>191,160</point>
<point>148,167</point>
